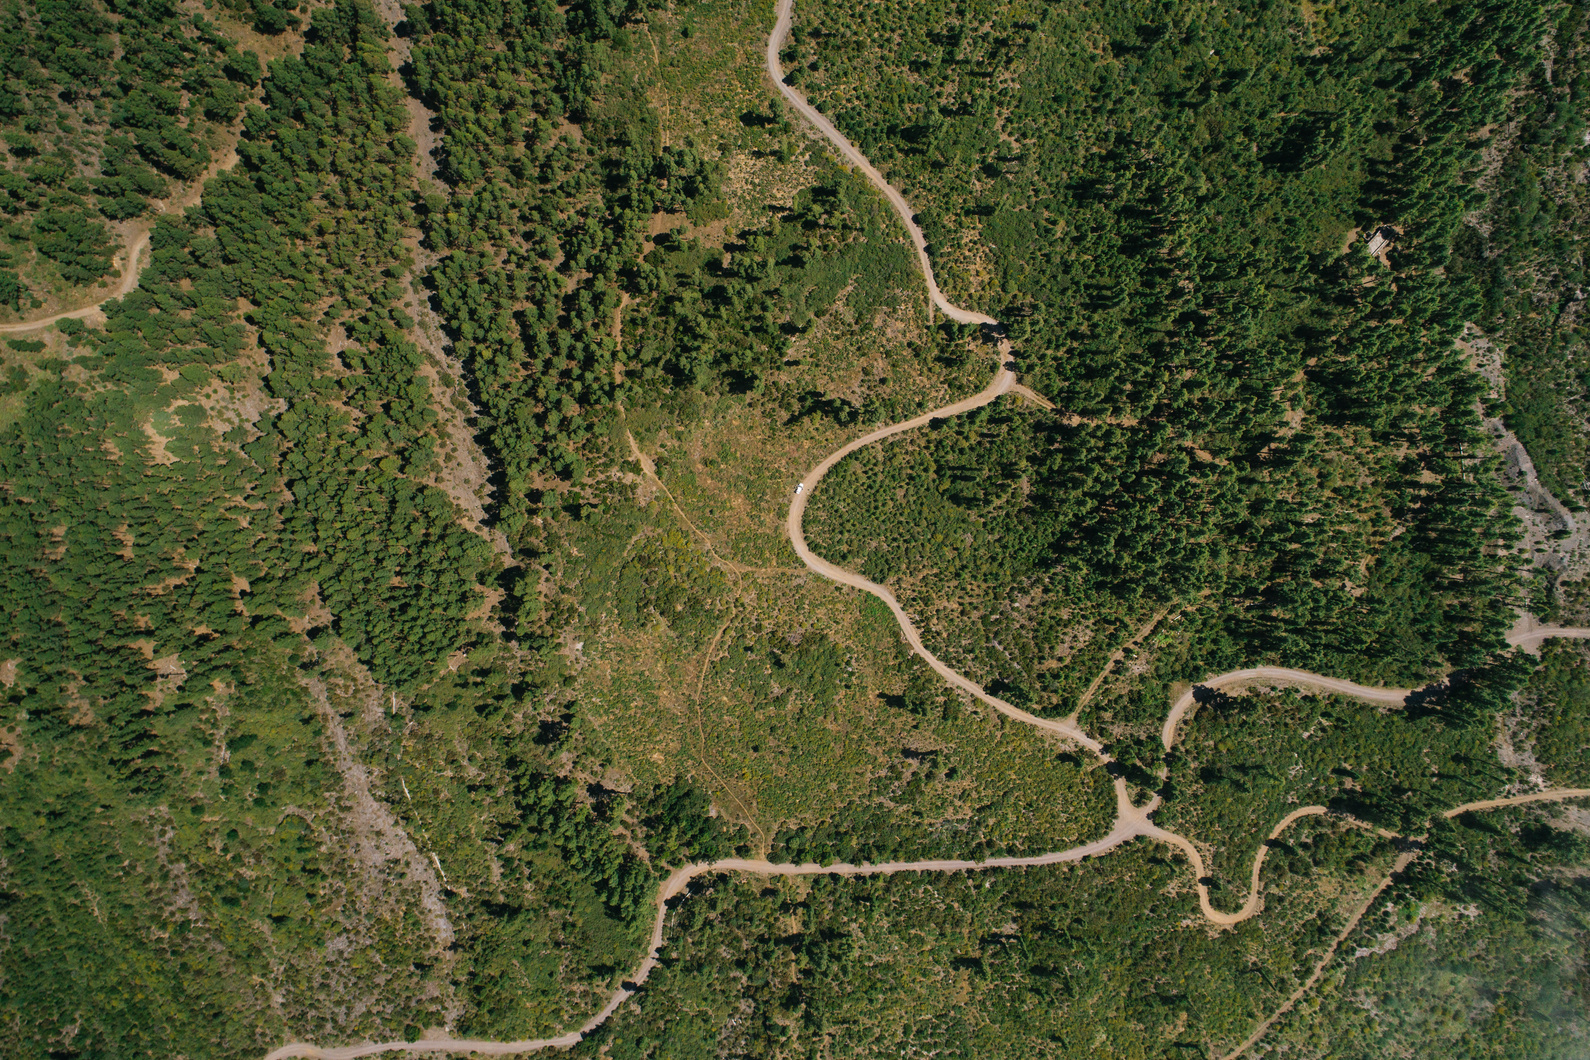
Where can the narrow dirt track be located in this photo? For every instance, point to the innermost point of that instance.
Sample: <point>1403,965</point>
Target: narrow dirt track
<point>1116,656</point>
<point>1402,862</point>
<point>124,287</point>
<point>1132,821</point>
<point>226,159</point>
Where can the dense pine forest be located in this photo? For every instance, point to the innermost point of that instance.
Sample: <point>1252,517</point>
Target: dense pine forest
<point>108,112</point>
<point>395,584</point>
<point>1252,410</point>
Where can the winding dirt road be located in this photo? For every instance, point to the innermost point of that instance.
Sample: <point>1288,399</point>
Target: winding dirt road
<point>1131,822</point>
<point>129,281</point>
<point>1400,864</point>
<point>1124,830</point>
<point>1276,675</point>
<point>225,159</point>
<point>1002,382</point>
<point>850,153</point>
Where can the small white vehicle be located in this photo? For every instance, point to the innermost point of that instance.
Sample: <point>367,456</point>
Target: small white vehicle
<point>798,487</point>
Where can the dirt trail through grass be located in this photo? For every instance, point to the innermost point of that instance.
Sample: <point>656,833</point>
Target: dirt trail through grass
<point>1131,822</point>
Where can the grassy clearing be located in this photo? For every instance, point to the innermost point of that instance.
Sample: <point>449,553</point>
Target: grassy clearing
<point>792,699</point>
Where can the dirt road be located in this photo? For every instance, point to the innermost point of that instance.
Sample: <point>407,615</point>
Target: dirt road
<point>139,244</point>
<point>1131,821</point>
<point>1528,640</point>
<point>1001,384</point>
<point>124,287</point>
<point>1402,861</point>
<point>1126,829</point>
<point>850,153</point>
<point>1275,675</point>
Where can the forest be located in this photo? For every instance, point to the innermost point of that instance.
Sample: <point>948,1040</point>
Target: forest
<point>183,576</point>
<point>1256,420</point>
<point>1528,260</point>
<point>106,111</point>
<point>1061,960</point>
<point>395,588</point>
